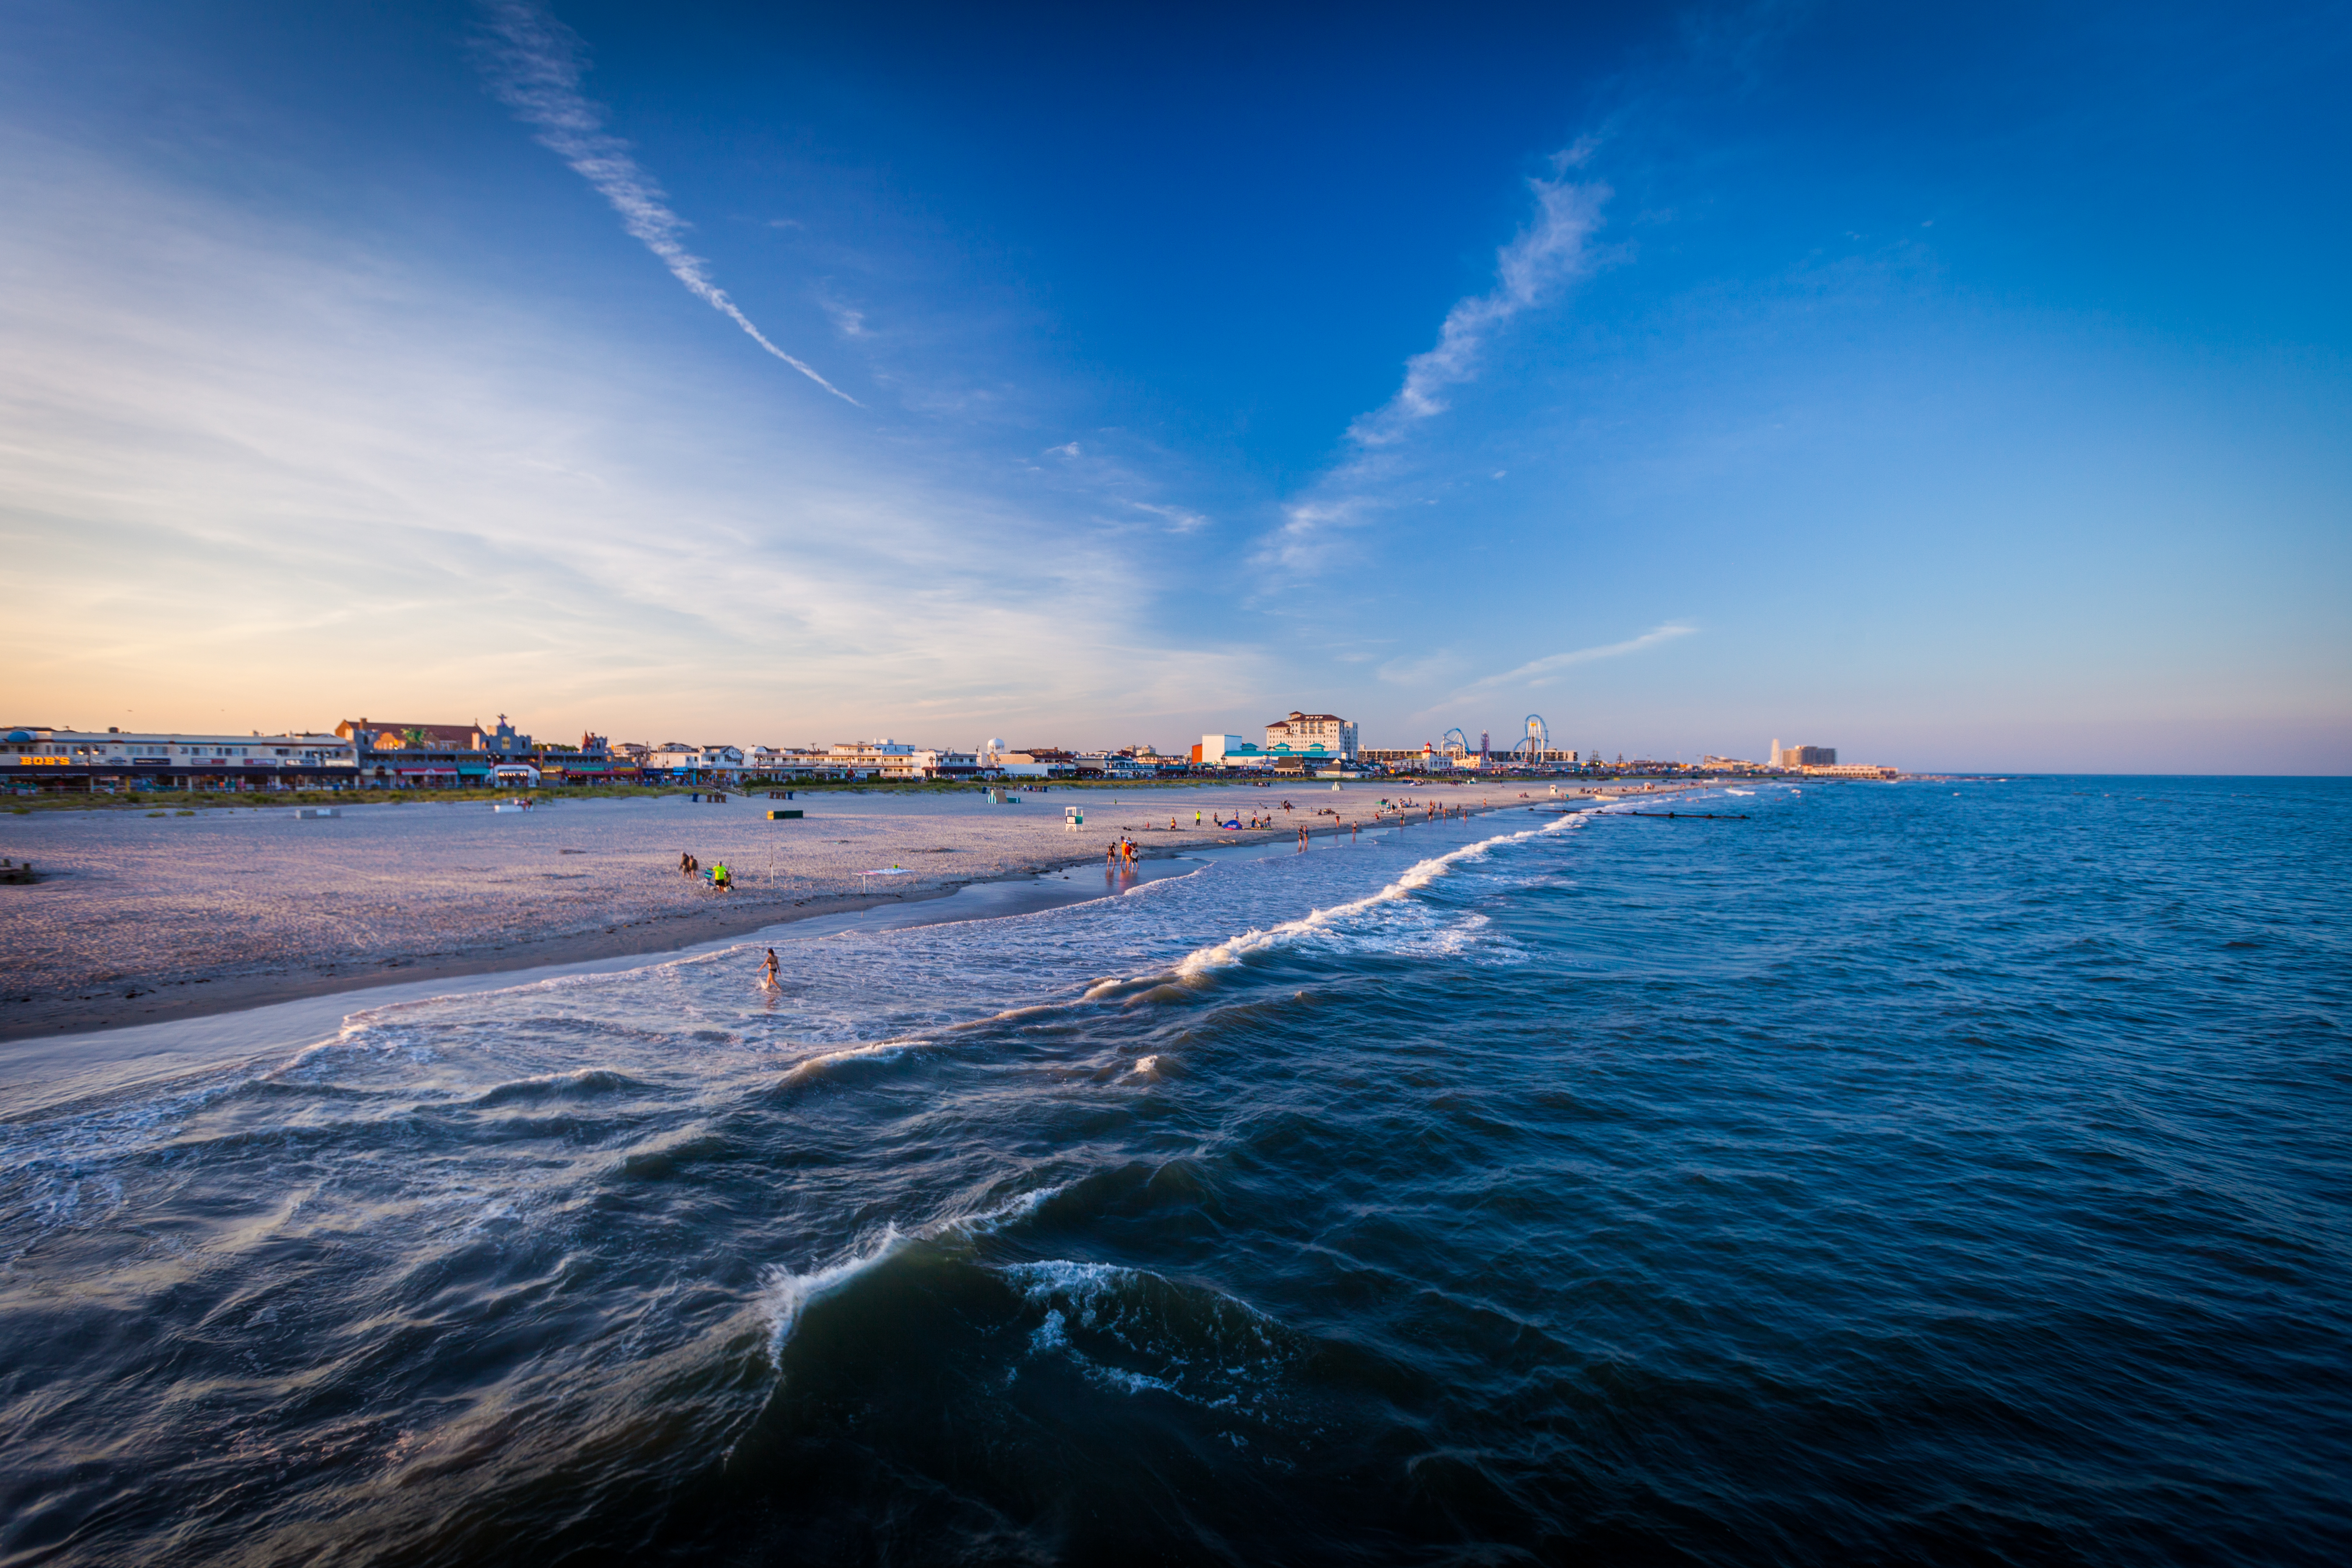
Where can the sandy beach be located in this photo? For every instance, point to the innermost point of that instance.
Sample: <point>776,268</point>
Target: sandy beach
<point>140,918</point>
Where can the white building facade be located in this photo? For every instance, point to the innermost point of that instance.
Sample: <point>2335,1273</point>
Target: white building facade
<point>698,764</point>
<point>1323,737</point>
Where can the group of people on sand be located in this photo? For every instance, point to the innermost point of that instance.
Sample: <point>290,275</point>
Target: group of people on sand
<point>1122,853</point>
<point>720,876</point>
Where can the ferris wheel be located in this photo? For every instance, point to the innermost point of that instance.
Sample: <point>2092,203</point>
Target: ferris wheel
<point>1536,741</point>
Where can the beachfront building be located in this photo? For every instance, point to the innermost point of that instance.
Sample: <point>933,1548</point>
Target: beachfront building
<point>1113,765</point>
<point>676,761</point>
<point>1429,757</point>
<point>592,761</point>
<point>811,761</point>
<point>927,763</point>
<point>788,761</point>
<point>1036,763</point>
<point>1230,751</point>
<point>1803,756</point>
<point>388,735</point>
<point>940,763</point>
<point>359,754</point>
<point>1144,763</point>
<point>872,759</point>
<point>35,757</point>
<point>1426,758</point>
<point>404,754</point>
<point>1318,737</point>
<point>1851,771</point>
<point>897,760</point>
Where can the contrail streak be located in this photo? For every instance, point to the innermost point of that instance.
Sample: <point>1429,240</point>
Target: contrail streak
<point>536,70</point>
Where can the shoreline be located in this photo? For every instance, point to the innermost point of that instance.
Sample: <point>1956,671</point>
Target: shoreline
<point>179,1001</point>
<point>98,1011</point>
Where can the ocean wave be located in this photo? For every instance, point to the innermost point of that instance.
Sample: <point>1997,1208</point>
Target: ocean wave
<point>578,1083</point>
<point>786,1294</point>
<point>873,1053</point>
<point>1233,949</point>
<point>1132,1330</point>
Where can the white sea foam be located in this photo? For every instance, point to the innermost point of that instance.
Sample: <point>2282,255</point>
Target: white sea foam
<point>1233,949</point>
<point>787,1295</point>
<point>1083,1284</point>
<point>1021,1206</point>
<point>1141,1312</point>
<point>874,1052</point>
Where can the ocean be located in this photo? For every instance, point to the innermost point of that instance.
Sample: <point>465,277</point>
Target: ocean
<point>1942,1173</point>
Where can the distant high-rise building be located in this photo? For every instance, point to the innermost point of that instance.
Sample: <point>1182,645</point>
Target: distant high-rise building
<point>1801,756</point>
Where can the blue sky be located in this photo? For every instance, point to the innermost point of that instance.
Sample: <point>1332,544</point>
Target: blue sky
<point>1961,389</point>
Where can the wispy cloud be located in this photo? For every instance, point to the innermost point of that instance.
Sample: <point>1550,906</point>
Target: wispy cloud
<point>1421,668</point>
<point>1554,248</point>
<point>535,67</point>
<point>1537,671</point>
<point>849,324</point>
<point>1310,527</point>
<point>1180,520</point>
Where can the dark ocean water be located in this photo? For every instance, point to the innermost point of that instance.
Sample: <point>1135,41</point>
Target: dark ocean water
<point>1923,1173</point>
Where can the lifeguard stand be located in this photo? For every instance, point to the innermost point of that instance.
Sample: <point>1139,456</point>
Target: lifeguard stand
<point>1073,817</point>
